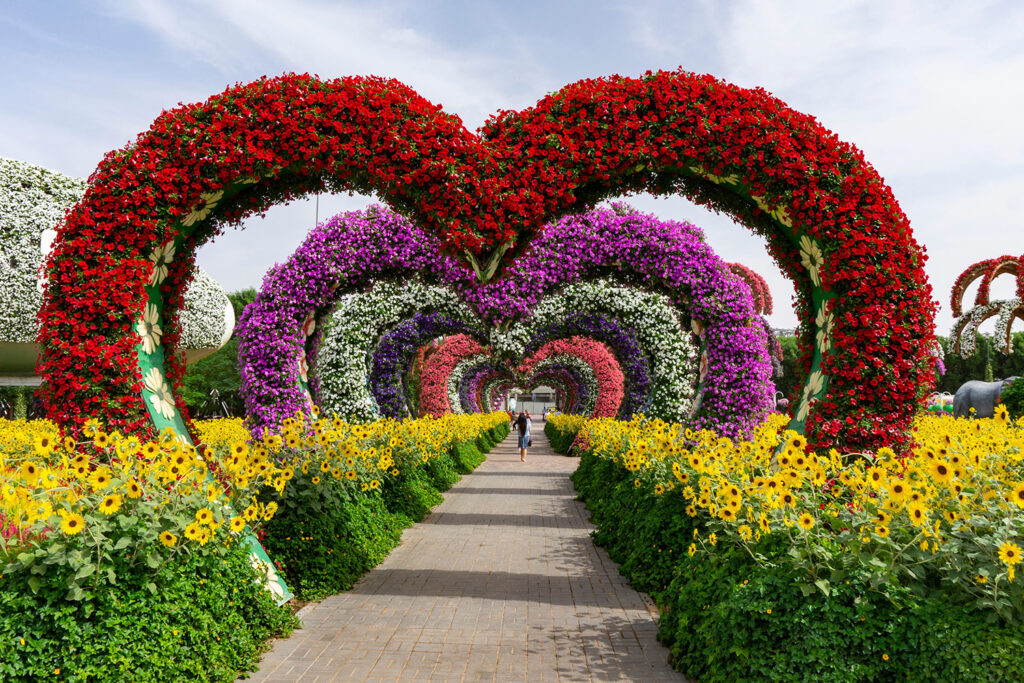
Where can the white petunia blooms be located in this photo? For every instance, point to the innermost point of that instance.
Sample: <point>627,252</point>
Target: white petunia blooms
<point>455,379</point>
<point>349,337</point>
<point>204,323</point>
<point>651,318</point>
<point>965,329</point>
<point>588,393</point>
<point>160,396</point>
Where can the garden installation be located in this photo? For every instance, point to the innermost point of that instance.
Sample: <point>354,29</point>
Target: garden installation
<point>846,534</point>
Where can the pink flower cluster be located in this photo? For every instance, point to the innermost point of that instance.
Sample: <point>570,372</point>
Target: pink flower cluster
<point>438,368</point>
<point>601,361</point>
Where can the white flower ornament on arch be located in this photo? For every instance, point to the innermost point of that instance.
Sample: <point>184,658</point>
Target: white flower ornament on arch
<point>149,329</point>
<point>210,201</point>
<point>815,383</point>
<point>812,258</point>
<point>160,258</point>
<point>824,321</point>
<point>160,394</point>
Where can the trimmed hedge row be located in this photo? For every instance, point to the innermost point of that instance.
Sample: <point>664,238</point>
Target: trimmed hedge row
<point>561,440</point>
<point>726,617</point>
<point>325,544</point>
<point>207,619</point>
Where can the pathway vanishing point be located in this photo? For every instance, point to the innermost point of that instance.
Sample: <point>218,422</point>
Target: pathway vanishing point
<point>501,582</point>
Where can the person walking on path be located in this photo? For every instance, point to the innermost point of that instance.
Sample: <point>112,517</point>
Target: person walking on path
<point>523,424</point>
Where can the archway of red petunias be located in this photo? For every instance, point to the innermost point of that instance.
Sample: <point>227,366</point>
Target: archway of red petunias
<point>124,254</point>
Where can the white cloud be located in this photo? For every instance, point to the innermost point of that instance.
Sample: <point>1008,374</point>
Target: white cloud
<point>929,91</point>
<point>341,39</point>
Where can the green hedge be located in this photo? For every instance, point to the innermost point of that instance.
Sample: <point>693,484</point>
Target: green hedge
<point>726,617</point>
<point>560,440</point>
<point>325,539</point>
<point>208,619</point>
<point>1013,397</point>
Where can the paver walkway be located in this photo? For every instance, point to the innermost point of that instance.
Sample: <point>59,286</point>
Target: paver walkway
<point>500,583</point>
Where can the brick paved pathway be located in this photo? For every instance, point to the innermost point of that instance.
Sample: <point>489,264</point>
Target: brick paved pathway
<point>500,583</point>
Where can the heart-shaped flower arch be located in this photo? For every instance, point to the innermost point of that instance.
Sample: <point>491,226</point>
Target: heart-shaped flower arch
<point>529,306</point>
<point>830,221</point>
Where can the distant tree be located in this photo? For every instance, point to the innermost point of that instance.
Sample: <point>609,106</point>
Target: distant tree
<point>790,355</point>
<point>960,370</point>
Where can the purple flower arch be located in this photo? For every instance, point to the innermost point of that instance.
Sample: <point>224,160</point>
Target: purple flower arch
<point>352,250</point>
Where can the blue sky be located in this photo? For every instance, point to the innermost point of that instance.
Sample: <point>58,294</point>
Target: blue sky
<point>932,92</point>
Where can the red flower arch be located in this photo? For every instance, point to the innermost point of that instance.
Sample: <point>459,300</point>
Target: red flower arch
<point>122,258</point>
<point>758,287</point>
<point>987,271</point>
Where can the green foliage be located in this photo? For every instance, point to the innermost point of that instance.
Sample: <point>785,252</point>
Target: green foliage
<point>467,457</point>
<point>207,619</point>
<point>960,370</point>
<point>1013,398</point>
<point>325,547</point>
<point>325,537</point>
<point>726,617</point>
<point>790,375</point>
<point>217,371</point>
<point>560,439</point>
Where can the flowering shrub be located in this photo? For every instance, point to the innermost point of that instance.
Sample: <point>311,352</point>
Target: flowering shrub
<point>734,391</point>
<point>831,222</point>
<point>647,317</point>
<point>350,250</point>
<point>33,201</point>
<point>391,360</point>
<point>85,520</point>
<point>986,271</point>
<point>434,396</point>
<point>829,549</point>
<point>963,338</point>
<point>598,358</point>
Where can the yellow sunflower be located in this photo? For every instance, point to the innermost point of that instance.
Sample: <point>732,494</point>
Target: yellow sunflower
<point>1009,554</point>
<point>71,523</point>
<point>1017,495</point>
<point>111,504</point>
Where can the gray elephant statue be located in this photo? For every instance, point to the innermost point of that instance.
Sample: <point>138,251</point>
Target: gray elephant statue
<point>982,396</point>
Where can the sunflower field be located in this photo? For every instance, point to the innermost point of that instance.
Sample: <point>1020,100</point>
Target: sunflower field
<point>102,536</point>
<point>770,561</point>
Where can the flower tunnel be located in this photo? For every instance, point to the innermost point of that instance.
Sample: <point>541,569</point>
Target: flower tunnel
<point>371,289</point>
